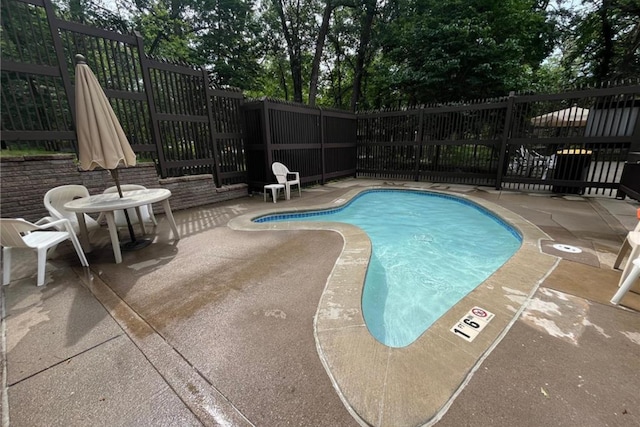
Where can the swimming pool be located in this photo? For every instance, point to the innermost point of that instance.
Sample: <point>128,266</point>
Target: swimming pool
<point>429,251</point>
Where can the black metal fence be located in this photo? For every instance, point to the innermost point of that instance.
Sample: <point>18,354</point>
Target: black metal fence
<point>569,142</point>
<point>170,112</point>
<point>574,142</point>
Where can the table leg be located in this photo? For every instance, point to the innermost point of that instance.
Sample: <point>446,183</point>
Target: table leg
<point>139,213</point>
<point>84,233</point>
<point>172,221</point>
<point>113,232</point>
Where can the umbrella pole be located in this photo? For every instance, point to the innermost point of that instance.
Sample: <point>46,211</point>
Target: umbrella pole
<point>133,244</point>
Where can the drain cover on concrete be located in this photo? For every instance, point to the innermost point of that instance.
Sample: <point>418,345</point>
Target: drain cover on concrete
<point>567,248</point>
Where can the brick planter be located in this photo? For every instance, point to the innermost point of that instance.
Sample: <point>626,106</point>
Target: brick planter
<point>25,180</point>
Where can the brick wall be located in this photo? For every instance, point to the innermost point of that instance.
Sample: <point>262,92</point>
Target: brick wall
<point>25,180</point>
<point>198,190</point>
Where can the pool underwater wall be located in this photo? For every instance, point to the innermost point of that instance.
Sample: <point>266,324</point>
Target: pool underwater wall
<point>283,216</point>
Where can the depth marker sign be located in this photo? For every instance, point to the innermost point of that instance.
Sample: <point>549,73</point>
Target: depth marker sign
<point>472,323</point>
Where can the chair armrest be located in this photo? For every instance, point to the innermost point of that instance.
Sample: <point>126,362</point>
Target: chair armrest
<point>59,224</point>
<point>297,174</point>
<point>44,220</point>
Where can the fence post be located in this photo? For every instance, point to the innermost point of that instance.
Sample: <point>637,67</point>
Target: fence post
<point>634,146</point>
<point>266,129</point>
<point>151,105</point>
<point>322,153</point>
<point>417,149</point>
<point>212,128</point>
<point>506,133</point>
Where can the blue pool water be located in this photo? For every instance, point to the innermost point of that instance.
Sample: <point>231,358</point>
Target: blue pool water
<point>428,251</point>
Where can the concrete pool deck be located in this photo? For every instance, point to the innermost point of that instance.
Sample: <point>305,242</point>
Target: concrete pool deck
<point>226,327</point>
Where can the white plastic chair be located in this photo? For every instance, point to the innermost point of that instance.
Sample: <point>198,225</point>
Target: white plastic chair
<point>55,199</point>
<point>144,214</point>
<point>18,233</point>
<point>625,285</point>
<point>632,246</point>
<point>526,162</point>
<point>627,247</point>
<point>282,174</point>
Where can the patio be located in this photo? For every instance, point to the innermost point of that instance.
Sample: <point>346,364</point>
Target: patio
<point>218,327</point>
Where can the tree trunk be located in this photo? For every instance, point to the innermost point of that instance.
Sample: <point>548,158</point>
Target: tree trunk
<point>365,38</point>
<point>604,68</point>
<point>283,81</point>
<point>294,50</point>
<point>336,77</point>
<point>315,66</point>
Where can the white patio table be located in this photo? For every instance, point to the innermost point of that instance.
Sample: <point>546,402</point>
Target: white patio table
<point>108,203</point>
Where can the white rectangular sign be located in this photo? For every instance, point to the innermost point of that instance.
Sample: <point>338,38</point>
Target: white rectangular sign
<point>472,323</point>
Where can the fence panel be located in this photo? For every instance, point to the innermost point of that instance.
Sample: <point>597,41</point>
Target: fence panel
<point>180,114</point>
<point>169,112</point>
<point>339,141</point>
<point>443,144</point>
<point>387,144</point>
<point>460,143</point>
<point>320,144</point>
<point>575,142</point>
<point>36,112</point>
<point>228,126</point>
<point>295,139</point>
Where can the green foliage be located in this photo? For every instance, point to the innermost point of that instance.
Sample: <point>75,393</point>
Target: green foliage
<point>464,49</point>
<point>228,46</point>
<point>92,13</point>
<point>550,77</point>
<point>166,32</point>
<point>218,34</point>
<point>604,42</point>
<point>337,73</point>
<point>419,51</point>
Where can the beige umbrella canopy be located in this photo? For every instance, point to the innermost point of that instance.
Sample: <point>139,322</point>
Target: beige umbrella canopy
<point>101,140</point>
<point>568,117</point>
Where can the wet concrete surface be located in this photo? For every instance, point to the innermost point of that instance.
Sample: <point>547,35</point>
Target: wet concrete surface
<point>557,366</point>
<point>217,329</point>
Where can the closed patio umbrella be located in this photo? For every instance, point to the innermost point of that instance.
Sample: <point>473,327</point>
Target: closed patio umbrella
<point>567,117</point>
<point>101,140</point>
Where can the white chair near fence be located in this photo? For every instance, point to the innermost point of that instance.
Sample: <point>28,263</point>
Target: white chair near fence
<point>287,178</point>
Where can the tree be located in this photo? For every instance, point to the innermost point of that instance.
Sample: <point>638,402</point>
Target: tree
<point>227,42</point>
<point>165,29</point>
<point>218,34</point>
<point>604,42</point>
<point>92,12</point>
<point>366,20</point>
<point>296,19</point>
<point>464,49</point>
